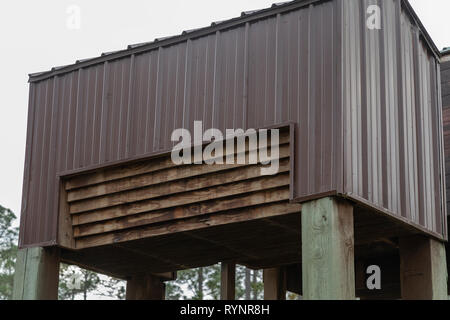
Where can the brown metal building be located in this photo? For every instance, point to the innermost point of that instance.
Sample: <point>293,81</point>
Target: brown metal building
<point>365,102</point>
<point>363,109</point>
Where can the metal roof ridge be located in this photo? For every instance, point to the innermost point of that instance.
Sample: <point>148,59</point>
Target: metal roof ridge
<point>245,17</point>
<point>146,46</point>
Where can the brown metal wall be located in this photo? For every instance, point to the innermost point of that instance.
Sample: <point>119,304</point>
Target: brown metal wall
<point>302,66</point>
<point>445,82</point>
<point>393,121</point>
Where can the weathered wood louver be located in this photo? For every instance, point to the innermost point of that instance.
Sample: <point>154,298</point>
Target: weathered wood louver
<point>155,197</point>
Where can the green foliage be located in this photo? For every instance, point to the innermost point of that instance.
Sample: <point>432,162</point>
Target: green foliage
<point>8,252</point>
<point>76,284</point>
<point>241,285</point>
<point>204,283</point>
<point>174,291</point>
<point>190,284</point>
<point>212,283</point>
<point>257,285</point>
<point>113,288</point>
<point>195,284</point>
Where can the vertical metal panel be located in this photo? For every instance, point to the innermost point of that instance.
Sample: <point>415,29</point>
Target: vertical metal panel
<point>292,76</point>
<point>25,211</point>
<point>443,77</point>
<point>364,102</point>
<point>393,129</point>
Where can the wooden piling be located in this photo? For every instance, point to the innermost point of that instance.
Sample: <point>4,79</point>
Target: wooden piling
<point>328,250</point>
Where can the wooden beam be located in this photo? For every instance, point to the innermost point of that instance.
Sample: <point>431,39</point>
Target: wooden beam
<point>238,251</point>
<point>146,255</point>
<point>182,212</point>
<point>218,219</point>
<point>145,287</point>
<point>423,269</point>
<point>217,192</point>
<point>165,188</point>
<point>168,175</point>
<point>124,170</point>
<point>290,229</point>
<point>274,284</point>
<point>37,274</point>
<point>328,250</point>
<point>167,276</point>
<point>228,281</point>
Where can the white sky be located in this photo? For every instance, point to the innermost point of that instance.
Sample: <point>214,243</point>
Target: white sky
<point>34,37</point>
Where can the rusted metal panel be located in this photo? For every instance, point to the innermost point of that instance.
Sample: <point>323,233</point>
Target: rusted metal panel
<point>313,63</point>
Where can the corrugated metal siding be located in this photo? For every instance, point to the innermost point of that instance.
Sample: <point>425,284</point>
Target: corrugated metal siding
<point>258,74</point>
<point>445,84</point>
<point>293,73</point>
<point>295,66</point>
<point>393,123</point>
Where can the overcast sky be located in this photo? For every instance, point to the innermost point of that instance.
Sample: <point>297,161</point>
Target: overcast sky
<point>34,37</point>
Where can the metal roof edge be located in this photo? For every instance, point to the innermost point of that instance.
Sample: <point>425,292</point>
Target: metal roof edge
<point>184,36</point>
<point>423,31</point>
<point>245,17</point>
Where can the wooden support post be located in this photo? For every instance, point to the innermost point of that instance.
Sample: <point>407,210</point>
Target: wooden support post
<point>274,284</point>
<point>228,281</point>
<point>328,250</point>
<point>423,269</point>
<point>145,287</point>
<point>37,274</point>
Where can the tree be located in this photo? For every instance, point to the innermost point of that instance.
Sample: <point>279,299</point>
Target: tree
<point>195,284</point>
<point>239,285</point>
<point>248,284</point>
<point>191,283</point>
<point>113,288</point>
<point>213,281</point>
<point>257,285</point>
<point>8,252</point>
<point>76,283</point>
<point>174,291</point>
<point>204,283</point>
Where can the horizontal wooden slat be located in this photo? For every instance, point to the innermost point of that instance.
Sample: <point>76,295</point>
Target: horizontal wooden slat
<point>144,180</point>
<point>152,165</point>
<point>241,201</point>
<point>175,187</point>
<point>118,173</point>
<point>235,216</point>
<point>217,192</point>
<point>130,201</point>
